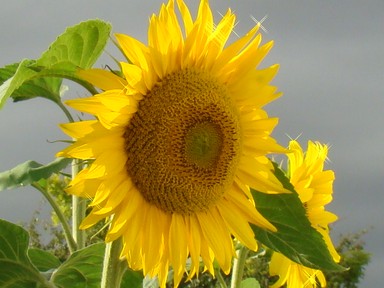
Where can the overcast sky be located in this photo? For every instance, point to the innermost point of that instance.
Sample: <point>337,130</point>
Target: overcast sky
<point>332,70</point>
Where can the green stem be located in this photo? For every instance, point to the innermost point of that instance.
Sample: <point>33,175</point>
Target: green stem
<point>78,211</point>
<point>67,230</point>
<point>65,110</point>
<point>220,278</point>
<point>43,280</point>
<point>78,204</point>
<point>238,267</point>
<point>113,267</point>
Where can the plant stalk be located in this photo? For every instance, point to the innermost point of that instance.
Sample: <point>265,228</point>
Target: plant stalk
<point>238,267</point>
<point>67,230</point>
<point>220,278</point>
<point>78,204</point>
<point>113,267</point>
<point>78,211</point>
<point>65,110</point>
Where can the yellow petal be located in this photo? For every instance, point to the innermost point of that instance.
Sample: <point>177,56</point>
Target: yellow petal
<point>152,243</point>
<point>79,129</point>
<point>254,172</point>
<point>103,79</point>
<point>178,246</point>
<point>238,226</point>
<point>186,16</point>
<point>217,237</point>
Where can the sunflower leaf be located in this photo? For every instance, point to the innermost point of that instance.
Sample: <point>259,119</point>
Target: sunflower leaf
<point>82,269</point>
<point>295,237</point>
<point>29,172</point>
<point>249,283</point>
<point>16,269</point>
<point>78,47</point>
<point>12,77</point>
<point>43,260</point>
<point>132,279</point>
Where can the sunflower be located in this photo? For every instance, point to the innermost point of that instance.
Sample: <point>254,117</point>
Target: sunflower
<point>179,138</point>
<point>314,187</point>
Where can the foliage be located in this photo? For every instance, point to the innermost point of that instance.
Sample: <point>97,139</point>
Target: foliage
<point>78,47</point>
<point>29,172</point>
<point>56,245</point>
<point>257,266</point>
<point>351,247</point>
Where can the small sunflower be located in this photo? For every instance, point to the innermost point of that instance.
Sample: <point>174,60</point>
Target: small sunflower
<point>314,187</point>
<point>178,140</point>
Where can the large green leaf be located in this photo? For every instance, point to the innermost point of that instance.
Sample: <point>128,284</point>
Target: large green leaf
<point>132,279</point>
<point>48,88</point>
<point>22,74</point>
<point>16,269</point>
<point>295,237</point>
<point>78,47</point>
<point>19,275</point>
<point>29,172</point>
<point>249,283</point>
<point>43,260</point>
<point>13,242</point>
<point>82,269</point>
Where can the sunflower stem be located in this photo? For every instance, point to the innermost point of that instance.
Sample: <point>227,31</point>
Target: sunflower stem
<point>78,204</point>
<point>113,267</point>
<point>67,230</point>
<point>238,267</point>
<point>220,278</point>
<point>66,111</point>
<point>78,211</point>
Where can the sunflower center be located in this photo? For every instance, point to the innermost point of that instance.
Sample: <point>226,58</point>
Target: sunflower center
<point>203,144</point>
<point>183,143</point>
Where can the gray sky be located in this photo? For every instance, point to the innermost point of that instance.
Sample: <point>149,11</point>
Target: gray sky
<point>332,72</point>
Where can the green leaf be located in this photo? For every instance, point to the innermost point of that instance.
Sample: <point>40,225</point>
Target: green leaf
<point>29,172</point>
<point>249,283</point>
<point>78,47</point>
<point>18,275</point>
<point>21,75</point>
<point>132,279</point>
<point>43,260</point>
<point>295,237</point>
<point>16,269</point>
<point>65,69</point>
<point>82,269</point>
<point>48,88</point>
<point>14,242</point>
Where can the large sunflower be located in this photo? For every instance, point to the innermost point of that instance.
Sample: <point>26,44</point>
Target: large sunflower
<point>314,187</point>
<point>178,140</point>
